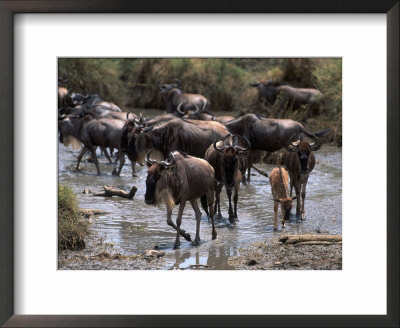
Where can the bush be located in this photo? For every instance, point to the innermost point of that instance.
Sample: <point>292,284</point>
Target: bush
<point>72,229</point>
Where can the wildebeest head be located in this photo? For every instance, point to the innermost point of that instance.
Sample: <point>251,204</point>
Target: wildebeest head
<point>130,130</point>
<point>287,205</point>
<point>304,149</point>
<point>231,152</point>
<point>165,88</point>
<point>154,174</point>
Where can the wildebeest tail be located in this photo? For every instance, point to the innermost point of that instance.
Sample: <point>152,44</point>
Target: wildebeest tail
<point>204,204</point>
<point>322,132</point>
<point>316,134</point>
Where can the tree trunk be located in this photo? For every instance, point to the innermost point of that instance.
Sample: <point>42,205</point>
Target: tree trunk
<point>290,240</point>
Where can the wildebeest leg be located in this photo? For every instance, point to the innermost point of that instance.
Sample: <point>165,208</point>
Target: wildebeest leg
<point>303,197</point>
<point>283,216</point>
<point>106,154</point>
<point>198,217</point>
<point>178,220</point>
<point>217,207</point>
<point>229,193</point>
<point>235,201</point>
<point>210,199</point>
<point>276,207</point>
<point>291,185</point>
<point>121,163</point>
<point>297,190</point>
<point>94,156</point>
<point>133,164</point>
<point>83,151</point>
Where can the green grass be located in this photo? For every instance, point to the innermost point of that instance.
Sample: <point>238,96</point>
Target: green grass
<point>72,229</point>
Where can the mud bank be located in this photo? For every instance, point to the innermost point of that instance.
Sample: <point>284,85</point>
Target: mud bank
<point>273,255</point>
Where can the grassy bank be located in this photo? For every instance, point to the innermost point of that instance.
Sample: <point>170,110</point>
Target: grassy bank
<point>72,229</point>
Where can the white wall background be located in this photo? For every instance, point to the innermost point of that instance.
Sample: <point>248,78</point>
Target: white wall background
<point>360,288</point>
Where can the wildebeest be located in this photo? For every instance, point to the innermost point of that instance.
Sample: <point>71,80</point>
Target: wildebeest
<point>92,132</point>
<point>180,179</point>
<point>269,92</point>
<point>278,179</point>
<point>225,156</point>
<point>300,162</point>
<point>179,102</point>
<point>268,134</point>
<point>191,137</point>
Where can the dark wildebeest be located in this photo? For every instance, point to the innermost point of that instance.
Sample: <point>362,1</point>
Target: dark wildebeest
<point>162,138</point>
<point>278,179</point>
<point>268,134</point>
<point>132,128</point>
<point>180,179</point>
<point>300,162</point>
<point>269,92</point>
<point>225,157</point>
<point>92,132</point>
<point>181,103</point>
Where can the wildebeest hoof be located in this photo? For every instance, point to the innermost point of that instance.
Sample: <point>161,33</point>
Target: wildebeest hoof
<point>114,172</point>
<point>187,236</point>
<point>196,242</point>
<point>134,175</point>
<point>176,246</point>
<point>214,235</point>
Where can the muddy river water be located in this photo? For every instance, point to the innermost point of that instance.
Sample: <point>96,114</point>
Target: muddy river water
<point>133,227</point>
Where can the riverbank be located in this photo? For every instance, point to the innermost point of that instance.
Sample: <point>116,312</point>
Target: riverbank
<point>262,255</point>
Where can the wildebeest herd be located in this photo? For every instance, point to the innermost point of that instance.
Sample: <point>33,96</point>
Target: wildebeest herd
<point>190,153</point>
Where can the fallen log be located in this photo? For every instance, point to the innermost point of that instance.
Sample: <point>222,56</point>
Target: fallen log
<point>290,240</point>
<point>260,171</point>
<point>110,191</point>
<point>314,242</point>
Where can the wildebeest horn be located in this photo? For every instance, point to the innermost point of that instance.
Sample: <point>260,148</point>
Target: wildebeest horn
<point>236,146</point>
<point>169,162</point>
<point>61,116</point>
<point>148,128</point>
<point>178,109</point>
<point>315,145</point>
<point>217,148</point>
<point>292,146</point>
<point>148,160</point>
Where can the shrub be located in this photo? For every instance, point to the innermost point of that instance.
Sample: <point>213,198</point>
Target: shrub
<point>72,229</point>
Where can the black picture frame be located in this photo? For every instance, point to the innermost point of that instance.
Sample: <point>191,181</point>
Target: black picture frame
<point>7,11</point>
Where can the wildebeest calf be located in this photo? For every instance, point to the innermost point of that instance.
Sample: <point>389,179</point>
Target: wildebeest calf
<point>180,179</point>
<point>278,179</point>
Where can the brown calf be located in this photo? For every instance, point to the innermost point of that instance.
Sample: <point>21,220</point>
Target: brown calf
<point>278,179</point>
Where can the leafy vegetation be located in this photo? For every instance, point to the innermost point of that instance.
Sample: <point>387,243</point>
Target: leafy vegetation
<point>72,229</point>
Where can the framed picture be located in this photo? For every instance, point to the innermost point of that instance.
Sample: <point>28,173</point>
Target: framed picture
<point>37,46</point>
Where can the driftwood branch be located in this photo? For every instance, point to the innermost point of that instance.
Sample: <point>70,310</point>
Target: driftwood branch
<point>311,239</point>
<point>110,191</point>
<point>260,171</point>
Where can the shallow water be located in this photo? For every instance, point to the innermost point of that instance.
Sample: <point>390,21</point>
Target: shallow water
<point>132,226</point>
